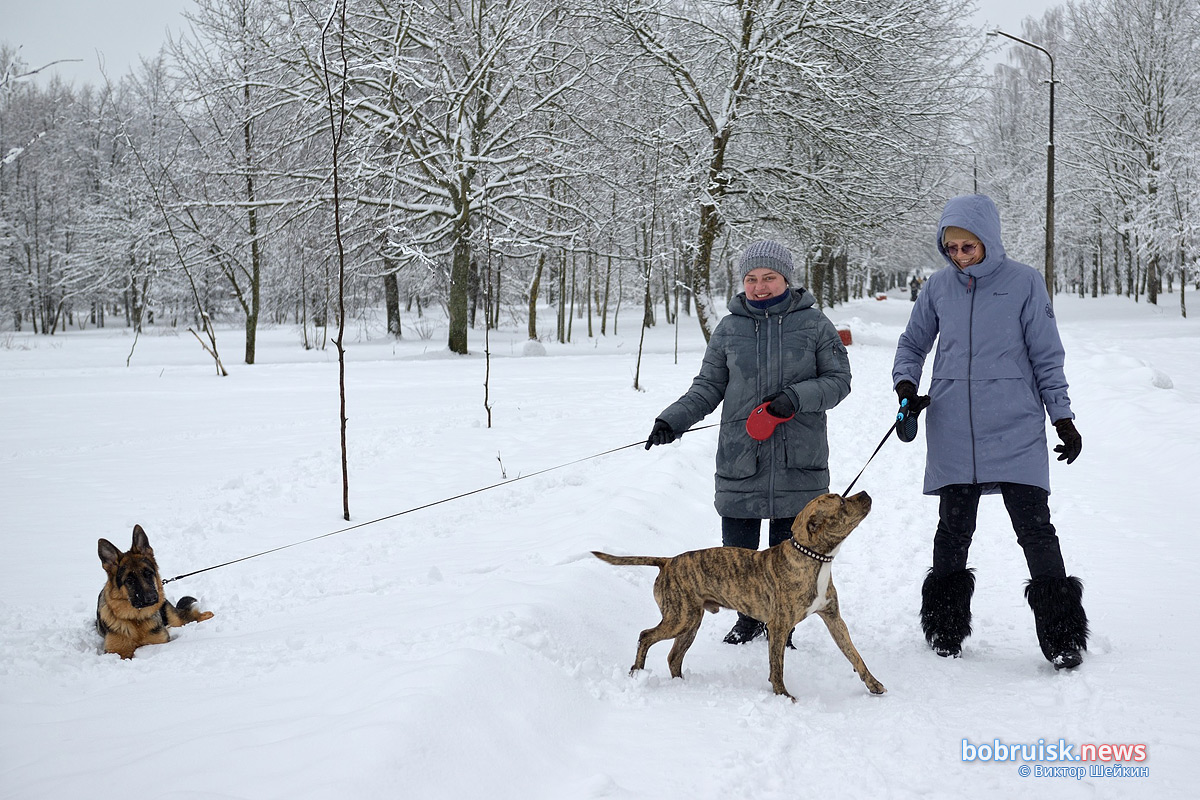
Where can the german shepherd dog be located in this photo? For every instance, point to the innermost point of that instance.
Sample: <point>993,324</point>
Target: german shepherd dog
<point>132,609</point>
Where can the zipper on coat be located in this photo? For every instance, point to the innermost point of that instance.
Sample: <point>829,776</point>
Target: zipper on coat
<point>758,344</point>
<point>782,428</point>
<point>779,356</point>
<point>970,361</point>
<point>763,379</point>
<point>766,371</point>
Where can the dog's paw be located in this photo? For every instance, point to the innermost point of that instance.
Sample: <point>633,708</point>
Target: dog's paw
<point>203,615</point>
<point>874,686</point>
<point>781,691</point>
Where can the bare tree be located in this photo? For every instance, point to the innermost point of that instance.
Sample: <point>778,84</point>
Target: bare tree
<point>241,121</point>
<point>1137,73</point>
<point>755,73</point>
<point>448,112</point>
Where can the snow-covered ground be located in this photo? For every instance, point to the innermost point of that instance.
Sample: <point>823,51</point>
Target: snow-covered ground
<point>474,649</point>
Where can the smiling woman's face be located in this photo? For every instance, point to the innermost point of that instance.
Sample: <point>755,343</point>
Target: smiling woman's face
<point>964,252</point>
<point>763,284</point>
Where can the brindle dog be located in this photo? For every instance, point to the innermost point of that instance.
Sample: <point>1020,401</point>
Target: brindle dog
<point>780,586</point>
<point>132,609</point>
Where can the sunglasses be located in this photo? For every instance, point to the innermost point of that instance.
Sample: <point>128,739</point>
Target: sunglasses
<point>968,249</point>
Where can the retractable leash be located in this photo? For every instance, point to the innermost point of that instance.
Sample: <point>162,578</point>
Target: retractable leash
<point>906,421</point>
<point>435,503</point>
<point>762,423</point>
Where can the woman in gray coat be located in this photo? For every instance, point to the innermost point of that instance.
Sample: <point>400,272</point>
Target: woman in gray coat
<point>997,374</point>
<point>774,345</point>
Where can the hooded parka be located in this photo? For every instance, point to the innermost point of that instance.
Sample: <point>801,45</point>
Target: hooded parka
<point>998,370</point>
<point>755,353</point>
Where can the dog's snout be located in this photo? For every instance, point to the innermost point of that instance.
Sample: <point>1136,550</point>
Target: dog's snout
<point>143,599</point>
<point>862,497</point>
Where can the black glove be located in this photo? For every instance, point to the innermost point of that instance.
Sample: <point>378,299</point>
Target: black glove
<point>781,405</point>
<point>905,390</point>
<point>911,405</point>
<point>1072,442</point>
<point>661,433</point>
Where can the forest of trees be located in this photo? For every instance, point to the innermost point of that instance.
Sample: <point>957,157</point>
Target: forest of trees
<point>497,157</point>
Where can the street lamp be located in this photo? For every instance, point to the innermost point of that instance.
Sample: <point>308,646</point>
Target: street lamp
<point>1049,165</point>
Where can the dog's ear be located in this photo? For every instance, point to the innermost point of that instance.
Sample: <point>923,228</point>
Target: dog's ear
<point>818,518</point>
<point>806,521</point>
<point>141,542</point>
<point>108,553</point>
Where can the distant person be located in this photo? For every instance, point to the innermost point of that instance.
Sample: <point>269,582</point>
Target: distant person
<point>914,286</point>
<point>998,372</point>
<point>774,346</point>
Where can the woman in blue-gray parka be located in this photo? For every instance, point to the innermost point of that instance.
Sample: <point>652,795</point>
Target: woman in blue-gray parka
<point>997,374</point>
<point>774,345</point>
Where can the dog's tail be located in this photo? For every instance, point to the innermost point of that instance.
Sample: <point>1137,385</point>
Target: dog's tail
<point>632,561</point>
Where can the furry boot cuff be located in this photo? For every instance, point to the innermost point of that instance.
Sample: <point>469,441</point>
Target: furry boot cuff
<point>1062,624</point>
<point>946,610</point>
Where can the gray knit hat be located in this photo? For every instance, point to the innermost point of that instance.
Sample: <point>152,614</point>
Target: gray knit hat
<point>768,254</point>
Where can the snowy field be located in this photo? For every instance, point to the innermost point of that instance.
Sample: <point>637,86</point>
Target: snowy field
<point>475,649</point>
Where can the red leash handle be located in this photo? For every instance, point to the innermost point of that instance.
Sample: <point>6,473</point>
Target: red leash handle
<point>762,423</point>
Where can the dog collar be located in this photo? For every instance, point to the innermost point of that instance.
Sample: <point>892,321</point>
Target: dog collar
<point>810,552</point>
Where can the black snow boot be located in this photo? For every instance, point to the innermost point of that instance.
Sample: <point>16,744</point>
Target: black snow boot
<point>1062,625</point>
<point>746,629</point>
<point>946,610</point>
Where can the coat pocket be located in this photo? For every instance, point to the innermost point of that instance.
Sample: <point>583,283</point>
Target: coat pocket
<point>806,445</point>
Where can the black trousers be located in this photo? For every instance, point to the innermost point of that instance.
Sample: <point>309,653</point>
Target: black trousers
<point>1030,514</point>
<point>738,532</point>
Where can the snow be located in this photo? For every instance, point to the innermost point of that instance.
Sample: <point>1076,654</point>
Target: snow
<point>474,648</point>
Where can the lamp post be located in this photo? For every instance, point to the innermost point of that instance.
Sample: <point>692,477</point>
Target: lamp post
<point>1049,165</point>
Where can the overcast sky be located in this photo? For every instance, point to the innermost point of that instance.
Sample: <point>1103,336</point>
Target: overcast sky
<point>118,31</point>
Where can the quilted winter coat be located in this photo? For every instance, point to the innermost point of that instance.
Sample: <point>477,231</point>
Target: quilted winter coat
<point>998,370</point>
<point>753,354</point>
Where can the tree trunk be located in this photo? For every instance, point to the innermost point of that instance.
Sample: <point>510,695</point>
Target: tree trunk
<point>590,266</point>
<point>571,305</point>
<point>1130,272</point>
<point>607,290</point>
<point>710,226</point>
<point>496,299</point>
<point>459,278</point>
<point>561,327</point>
<point>620,297</point>
<point>134,305</point>
<point>1116,264</point>
<point>667,277</point>
<point>1182,280</point>
<point>818,272</point>
<point>843,271</point>
<point>648,320</point>
<point>255,249</point>
<point>391,298</point>
<point>472,293</point>
<point>534,288</point>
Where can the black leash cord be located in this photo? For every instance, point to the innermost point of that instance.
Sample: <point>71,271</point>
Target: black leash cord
<point>864,469</point>
<point>434,503</point>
